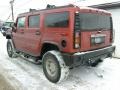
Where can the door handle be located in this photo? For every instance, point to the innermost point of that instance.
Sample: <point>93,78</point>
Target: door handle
<point>37,33</point>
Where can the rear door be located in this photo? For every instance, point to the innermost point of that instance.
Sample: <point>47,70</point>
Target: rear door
<point>33,35</point>
<point>94,31</point>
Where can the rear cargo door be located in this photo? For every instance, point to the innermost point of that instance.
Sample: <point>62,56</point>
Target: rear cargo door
<point>95,31</point>
<point>94,40</point>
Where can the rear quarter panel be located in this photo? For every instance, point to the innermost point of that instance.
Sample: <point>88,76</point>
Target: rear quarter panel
<point>56,35</point>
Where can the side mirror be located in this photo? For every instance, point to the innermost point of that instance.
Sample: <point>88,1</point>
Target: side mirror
<point>14,27</point>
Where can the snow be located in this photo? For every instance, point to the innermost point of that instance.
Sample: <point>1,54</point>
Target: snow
<point>24,75</point>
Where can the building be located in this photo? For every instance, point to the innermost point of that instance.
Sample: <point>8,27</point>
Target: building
<point>114,8</point>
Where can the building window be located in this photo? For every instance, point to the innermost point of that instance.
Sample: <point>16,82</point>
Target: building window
<point>21,22</point>
<point>34,21</point>
<point>57,19</point>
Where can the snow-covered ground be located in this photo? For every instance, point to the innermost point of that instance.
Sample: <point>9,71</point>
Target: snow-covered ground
<point>24,75</point>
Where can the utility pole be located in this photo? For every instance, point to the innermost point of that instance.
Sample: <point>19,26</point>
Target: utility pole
<point>11,3</point>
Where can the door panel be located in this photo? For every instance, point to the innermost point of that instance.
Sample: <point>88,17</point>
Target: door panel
<point>33,38</point>
<point>18,36</point>
<point>18,39</point>
<point>33,35</point>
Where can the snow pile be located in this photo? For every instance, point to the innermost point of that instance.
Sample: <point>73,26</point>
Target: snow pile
<point>24,75</point>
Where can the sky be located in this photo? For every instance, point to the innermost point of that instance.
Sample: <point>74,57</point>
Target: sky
<point>21,6</point>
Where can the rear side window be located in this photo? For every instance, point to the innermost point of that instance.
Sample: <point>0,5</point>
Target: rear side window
<point>57,19</point>
<point>21,22</point>
<point>34,21</point>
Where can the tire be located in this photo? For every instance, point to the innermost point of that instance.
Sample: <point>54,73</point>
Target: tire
<point>11,49</point>
<point>54,67</point>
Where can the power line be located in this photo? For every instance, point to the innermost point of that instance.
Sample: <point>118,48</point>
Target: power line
<point>18,5</point>
<point>23,3</point>
<point>8,17</point>
<point>12,7</point>
<point>3,6</point>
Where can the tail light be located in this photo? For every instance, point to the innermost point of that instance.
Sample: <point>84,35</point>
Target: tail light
<point>77,30</point>
<point>77,40</point>
<point>112,32</point>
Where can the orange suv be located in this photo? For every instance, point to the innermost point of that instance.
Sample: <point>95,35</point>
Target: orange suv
<point>62,38</point>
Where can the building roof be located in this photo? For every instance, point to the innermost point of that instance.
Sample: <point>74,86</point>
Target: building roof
<point>107,5</point>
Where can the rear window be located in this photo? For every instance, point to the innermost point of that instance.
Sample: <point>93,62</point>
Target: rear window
<point>94,21</point>
<point>57,19</point>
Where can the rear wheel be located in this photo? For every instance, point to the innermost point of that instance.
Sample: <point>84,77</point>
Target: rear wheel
<point>54,67</point>
<point>10,50</point>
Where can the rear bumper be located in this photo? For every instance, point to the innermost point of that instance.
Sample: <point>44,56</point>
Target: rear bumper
<point>81,58</point>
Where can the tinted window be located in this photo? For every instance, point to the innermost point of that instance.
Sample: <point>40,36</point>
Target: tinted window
<point>94,21</point>
<point>57,20</point>
<point>21,22</point>
<point>34,21</point>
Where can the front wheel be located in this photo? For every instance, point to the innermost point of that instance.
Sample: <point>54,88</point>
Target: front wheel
<point>54,66</point>
<point>10,49</point>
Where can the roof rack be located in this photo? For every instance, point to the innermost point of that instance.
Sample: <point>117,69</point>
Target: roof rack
<point>49,7</point>
<point>31,10</point>
<point>53,6</point>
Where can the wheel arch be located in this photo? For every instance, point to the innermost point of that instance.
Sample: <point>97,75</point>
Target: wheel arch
<point>47,46</point>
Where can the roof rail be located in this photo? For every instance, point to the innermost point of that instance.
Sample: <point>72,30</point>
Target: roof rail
<point>49,7</point>
<point>54,7</point>
<point>31,10</point>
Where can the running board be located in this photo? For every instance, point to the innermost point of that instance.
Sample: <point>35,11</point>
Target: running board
<point>31,59</point>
